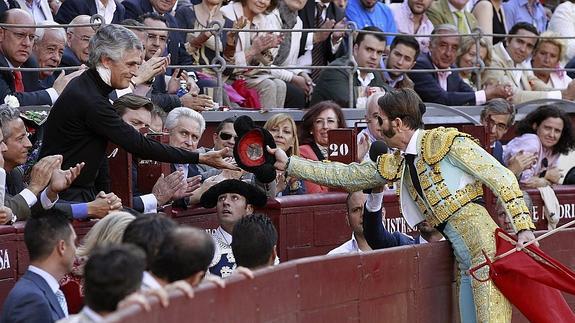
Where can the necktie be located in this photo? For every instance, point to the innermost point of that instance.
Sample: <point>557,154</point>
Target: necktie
<point>317,53</point>
<point>460,22</point>
<point>62,301</point>
<point>18,84</point>
<point>409,159</point>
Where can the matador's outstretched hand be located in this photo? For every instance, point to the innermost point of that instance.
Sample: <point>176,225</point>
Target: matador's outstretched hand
<point>281,158</point>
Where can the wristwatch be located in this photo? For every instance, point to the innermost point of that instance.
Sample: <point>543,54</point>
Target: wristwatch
<point>150,81</point>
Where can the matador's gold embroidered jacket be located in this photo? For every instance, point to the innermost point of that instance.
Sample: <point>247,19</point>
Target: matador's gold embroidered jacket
<point>451,169</point>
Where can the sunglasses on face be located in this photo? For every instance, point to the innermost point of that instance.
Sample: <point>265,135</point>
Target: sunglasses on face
<point>380,120</point>
<point>227,136</point>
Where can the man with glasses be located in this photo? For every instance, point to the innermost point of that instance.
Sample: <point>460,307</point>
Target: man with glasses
<point>372,132</point>
<point>23,197</point>
<point>16,44</point>
<point>76,53</point>
<point>164,95</point>
<point>137,8</point>
<point>446,87</point>
<point>497,116</point>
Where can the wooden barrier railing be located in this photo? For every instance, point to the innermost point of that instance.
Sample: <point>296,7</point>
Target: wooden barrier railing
<point>307,225</point>
<point>404,284</point>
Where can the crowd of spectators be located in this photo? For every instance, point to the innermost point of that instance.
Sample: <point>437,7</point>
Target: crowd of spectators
<point>116,85</point>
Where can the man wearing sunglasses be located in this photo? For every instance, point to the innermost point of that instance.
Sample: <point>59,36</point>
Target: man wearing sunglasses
<point>441,173</point>
<point>16,44</point>
<point>223,137</point>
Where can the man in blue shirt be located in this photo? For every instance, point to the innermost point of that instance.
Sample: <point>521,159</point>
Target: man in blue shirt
<point>371,13</point>
<point>529,11</point>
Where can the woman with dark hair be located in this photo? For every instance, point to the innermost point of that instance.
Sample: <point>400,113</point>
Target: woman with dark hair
<point>316,122</point>
<point>547,133</point>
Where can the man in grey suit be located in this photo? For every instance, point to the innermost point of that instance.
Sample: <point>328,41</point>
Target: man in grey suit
<point>44,184</point>
<point>36,297</point>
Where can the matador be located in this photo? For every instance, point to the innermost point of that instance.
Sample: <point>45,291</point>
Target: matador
<point>443,185</point>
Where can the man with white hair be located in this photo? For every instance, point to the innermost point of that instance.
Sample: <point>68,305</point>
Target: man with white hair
<point>372,132</point>
<point>185,127</point>
<point>76,52</point>
<point>446,87</point>
<point>48,51</point>
<point>82,133</point>
<point>137,112</point>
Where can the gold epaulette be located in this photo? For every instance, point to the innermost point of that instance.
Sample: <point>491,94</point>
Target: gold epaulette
<point>388,166</point>
<point>437,142</point>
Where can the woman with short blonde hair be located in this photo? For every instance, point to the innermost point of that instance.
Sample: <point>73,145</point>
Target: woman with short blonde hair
<point>284,130</point>
<point>548,54</point>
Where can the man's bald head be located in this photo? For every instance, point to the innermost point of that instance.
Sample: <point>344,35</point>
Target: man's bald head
<point>16,42</point>
<point>79,37</point>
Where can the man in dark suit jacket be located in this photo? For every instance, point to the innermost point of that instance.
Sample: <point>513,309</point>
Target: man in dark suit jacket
<point>82,133</point>
<point>16,53</point>
<point>136,111</point>
<point>36,297</point>
<point>332,84</point>
<point>76,52</point>
<point>47,51</point>
<point>72,8</point>
<point>329,43</point>
<point>447,87</point>
<point>69,58</point>
<point>136,8</point>
<point>12,4</point>
<point>158,40</point>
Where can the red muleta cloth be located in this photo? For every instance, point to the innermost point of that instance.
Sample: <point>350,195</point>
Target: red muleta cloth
<point>531,280</point>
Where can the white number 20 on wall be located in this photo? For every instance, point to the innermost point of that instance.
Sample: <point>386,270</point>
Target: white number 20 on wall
<point>338,150</point>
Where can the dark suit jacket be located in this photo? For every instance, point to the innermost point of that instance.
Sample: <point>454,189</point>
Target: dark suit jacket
<point>428,88</point>
<point>82,134</point>
<point>27,98</point>
<point>332,84</point>
<point>497,151</point>
<point>31,301</point>
<point>13,4</point>
<point>161,97</point>
<point>307,15</point>
<point>72,8</point>
<point>69,59</point>
<point>179,56</point>
<point>138,204</point>
<point>377,236</point>
<point>12,198</point>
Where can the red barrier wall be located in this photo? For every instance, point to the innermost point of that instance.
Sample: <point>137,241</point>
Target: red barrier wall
<point>405,284</point>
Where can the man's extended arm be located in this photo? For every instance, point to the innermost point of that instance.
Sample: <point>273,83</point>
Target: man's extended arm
<point>373,230</point>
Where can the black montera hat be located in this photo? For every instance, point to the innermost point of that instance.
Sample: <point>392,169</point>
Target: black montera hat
<point>250,149</point>
<point>254,195</point>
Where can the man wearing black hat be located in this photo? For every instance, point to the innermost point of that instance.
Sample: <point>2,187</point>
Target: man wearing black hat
<point>233,199</point>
